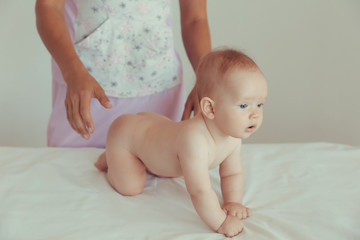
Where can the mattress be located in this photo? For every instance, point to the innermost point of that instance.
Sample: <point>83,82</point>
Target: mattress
<point>295,191</point>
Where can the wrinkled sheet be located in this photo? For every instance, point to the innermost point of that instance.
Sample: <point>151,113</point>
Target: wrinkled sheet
<point>295,191</point>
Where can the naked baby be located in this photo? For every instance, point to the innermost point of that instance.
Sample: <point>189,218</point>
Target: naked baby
<point>232,91</point>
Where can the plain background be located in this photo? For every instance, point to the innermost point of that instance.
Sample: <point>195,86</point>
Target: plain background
<point>308,50</point>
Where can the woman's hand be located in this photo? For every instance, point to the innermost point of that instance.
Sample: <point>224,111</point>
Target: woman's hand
<point>81,87</point>
<point>192,104</point>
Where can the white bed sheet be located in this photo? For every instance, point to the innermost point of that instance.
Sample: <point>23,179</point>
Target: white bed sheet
<point>296,191</point>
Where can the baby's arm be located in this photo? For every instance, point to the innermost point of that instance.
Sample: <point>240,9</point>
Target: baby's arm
<point>194,164</point>
<point>232,185</point>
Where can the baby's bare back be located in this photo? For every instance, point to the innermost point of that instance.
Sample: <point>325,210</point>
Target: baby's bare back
<point>151,138</point>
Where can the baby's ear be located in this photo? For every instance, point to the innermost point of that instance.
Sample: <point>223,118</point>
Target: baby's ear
<point>207,107</point>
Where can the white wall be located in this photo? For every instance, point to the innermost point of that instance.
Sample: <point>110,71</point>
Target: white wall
<point>25,89</point>
<point>308,50</point>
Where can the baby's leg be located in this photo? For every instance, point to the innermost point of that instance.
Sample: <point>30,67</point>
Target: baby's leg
<point>126,173</point>
<point>101,163</point>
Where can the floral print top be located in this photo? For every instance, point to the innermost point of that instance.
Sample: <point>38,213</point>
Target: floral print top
<point>127,45</point>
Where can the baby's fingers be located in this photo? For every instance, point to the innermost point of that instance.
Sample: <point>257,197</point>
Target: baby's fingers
<point>240,213</point>
<point>233,211</point>
<point>248,211</point>
<point>245,213</point>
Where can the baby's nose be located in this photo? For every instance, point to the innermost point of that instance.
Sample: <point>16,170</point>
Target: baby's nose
<point>254,114</point>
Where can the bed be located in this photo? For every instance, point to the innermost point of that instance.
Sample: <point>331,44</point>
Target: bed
<point>295,191</point>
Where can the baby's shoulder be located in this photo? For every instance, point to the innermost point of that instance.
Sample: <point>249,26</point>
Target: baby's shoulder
<point>191,136</point>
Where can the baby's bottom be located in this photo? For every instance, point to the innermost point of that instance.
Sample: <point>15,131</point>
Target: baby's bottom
<point>125,172</point>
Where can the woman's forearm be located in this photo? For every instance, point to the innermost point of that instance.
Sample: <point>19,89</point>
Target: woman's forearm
<point>195,29</point>
<point>196,39</point>
<point>52,28</point>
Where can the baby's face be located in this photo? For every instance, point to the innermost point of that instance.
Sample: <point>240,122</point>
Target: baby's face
<point>239,103</point>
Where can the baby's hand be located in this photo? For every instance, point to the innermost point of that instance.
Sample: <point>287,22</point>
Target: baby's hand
<point>231,227</point>
<point>236,209</point>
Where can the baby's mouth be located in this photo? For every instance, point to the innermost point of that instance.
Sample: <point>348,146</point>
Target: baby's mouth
<point>251,128</point>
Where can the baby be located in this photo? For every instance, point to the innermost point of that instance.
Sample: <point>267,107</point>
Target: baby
<point>231,91</point>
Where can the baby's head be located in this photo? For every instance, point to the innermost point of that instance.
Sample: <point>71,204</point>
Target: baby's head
<point>231,91</point>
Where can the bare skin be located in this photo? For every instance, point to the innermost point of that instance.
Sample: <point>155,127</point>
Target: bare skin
<point>127,163</point>
<point>148,141</point>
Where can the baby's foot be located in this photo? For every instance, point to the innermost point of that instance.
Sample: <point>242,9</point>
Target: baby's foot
<point>101,163</point>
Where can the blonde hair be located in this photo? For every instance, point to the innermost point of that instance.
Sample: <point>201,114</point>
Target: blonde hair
<point>214,65</point>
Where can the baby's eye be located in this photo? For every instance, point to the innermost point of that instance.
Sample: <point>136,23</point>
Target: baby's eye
<point>260,105</point>
<point>243,105</point>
